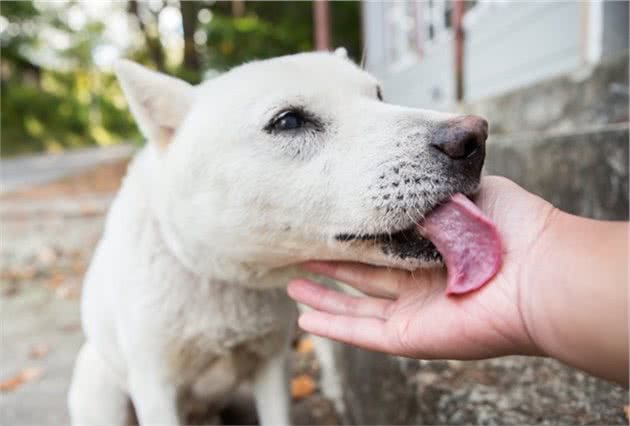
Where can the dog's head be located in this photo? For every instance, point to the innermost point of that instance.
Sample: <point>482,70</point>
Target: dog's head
<point>297,158</point>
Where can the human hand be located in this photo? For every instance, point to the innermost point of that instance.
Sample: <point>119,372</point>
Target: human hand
<point>409,314</point>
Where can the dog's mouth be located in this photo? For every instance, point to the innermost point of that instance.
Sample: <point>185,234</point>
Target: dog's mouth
<point>456,232</point>
<point>404,244</point>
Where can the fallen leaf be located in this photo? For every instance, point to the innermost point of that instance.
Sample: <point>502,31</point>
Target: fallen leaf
<point>10,290</point>
<point>78,267</point>
<point>88,210</point>
<point>19,273</point>
<point>47,256</point>
<point>27,273</point>
<point>304,346</point>
<point>24,376</point>
<point>11,383</point>
<point>39,351</point>
<point>67,291</point>
<point>55,280</point>
<point>302,386</point>
<point>32,373</point>
<point>75,254</point>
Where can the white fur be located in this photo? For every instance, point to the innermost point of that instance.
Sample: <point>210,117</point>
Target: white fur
<point>185,293</point>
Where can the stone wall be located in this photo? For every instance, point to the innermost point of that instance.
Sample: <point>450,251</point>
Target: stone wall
<point>585,173</point>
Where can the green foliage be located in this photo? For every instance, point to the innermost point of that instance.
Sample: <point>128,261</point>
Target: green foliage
<point>346,27</point>
<point>232,41</point>
<point>48,109</point>
<point>63,112</point>
<point>274,28</point>
<point>70,102</point>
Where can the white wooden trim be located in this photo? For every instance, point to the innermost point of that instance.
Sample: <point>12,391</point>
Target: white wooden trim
<point>595,31</point>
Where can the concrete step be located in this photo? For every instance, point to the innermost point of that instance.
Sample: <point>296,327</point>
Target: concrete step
<point>583,172</point>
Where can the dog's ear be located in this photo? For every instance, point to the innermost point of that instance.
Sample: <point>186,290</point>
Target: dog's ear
<point>158,102</point>
<point>342,52</point>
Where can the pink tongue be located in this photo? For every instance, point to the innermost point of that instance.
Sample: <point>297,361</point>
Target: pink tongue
<point>468,242</point>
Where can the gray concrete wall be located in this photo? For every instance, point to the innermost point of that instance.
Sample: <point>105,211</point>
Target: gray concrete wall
<point>592,97</point>
<point>615,30</point>
<point>584,173</point>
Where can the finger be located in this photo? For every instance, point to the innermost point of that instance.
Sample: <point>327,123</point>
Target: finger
<point>324,299</point>
<point>371,280</point>
<point>368,333</point>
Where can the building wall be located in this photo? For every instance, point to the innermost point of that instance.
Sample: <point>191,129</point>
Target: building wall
<point>512,45</point>
<point>508,46</point>
<point>615,30</point>
<point>426,83</point>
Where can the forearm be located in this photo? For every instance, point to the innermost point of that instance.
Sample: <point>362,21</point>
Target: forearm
<point>580,295</point>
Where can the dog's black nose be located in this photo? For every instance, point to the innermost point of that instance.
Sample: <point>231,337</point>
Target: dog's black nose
<point>462,137</point>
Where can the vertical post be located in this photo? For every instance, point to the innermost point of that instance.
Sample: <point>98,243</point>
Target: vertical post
<point>238,8</point>
<point>420,26</point>
<point>458,48</point>
<point>321,15</point>
<point>594,31</point>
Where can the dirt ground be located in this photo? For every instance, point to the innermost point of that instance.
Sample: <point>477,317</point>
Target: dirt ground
<point>48,234</point>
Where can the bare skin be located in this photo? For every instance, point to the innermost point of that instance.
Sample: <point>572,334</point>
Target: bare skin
<point>562,292</point>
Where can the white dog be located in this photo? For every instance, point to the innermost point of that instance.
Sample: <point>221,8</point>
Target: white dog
<point>271,164</point>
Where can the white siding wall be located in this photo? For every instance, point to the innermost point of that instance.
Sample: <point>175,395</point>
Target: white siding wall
<point>425,84</point>
<point>373,35</point>
<point>508,45</point>
<point>512,45</point>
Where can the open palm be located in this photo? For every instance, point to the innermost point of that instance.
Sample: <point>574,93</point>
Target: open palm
<point>409,314</point>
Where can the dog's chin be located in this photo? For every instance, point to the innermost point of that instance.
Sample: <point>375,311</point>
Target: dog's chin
<point>401,248</point>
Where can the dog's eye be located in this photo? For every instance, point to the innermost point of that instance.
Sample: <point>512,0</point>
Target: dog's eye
<point>289,120</point>
<point>294,121</point>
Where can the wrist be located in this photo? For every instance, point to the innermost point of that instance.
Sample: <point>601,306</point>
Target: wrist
<point>575,302</point>
<point>532,279</point>
<point>540,289</point>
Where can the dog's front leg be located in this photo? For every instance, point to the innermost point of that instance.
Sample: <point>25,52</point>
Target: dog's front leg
<point>154,397</point>
<point>271,391</point>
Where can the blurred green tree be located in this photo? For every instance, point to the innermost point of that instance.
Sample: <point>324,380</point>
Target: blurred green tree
<point>54,100</point>
<point>53,96</point>
<point>271,28</point>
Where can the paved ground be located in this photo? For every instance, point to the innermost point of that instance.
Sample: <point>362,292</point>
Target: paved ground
<point>28,170</point>
<point>48,234</point>
<point>45,246</point>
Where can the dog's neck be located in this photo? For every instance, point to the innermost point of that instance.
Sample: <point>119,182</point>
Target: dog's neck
<point>213,267</point>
